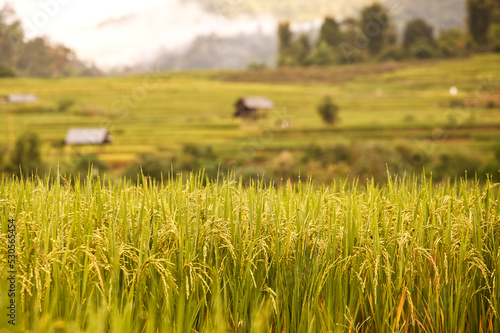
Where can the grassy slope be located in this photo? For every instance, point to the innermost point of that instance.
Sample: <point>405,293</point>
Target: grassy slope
<point>196,108</point>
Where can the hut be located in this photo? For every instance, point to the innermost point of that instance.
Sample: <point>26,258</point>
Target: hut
<point>87,136</point>
<point>20,98</point>
<point>248,107</point>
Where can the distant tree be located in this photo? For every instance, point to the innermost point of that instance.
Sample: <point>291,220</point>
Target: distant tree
<point>85,163</point>
<point>285,44</point>
<point>330,33</point>
<point>150,165</point>
<point>6,71</point>
<point>322,55</point>
<point>422,49</point>
<point>11,37</point>
<point>375,23</point>
<point>479,18</point>
<point>417,29</point>
<point>392,53</point>
<point>26,157</point>
<point>349,52</point>
<point>302,49</point>
<point>35,58</point>
<point>348,27</point>
<point>391,35</point>
<point>328,110</point>
<point>452,43</point>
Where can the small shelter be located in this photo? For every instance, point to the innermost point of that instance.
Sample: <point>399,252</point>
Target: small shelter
<point>87,136</point>
<point>248,107</point>
<point>20,98</point>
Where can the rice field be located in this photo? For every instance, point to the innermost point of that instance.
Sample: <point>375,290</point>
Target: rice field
<point>189,254</point>
<point>160,112</point>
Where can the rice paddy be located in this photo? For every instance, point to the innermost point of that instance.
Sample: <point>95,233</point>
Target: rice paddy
<point>190,254</point>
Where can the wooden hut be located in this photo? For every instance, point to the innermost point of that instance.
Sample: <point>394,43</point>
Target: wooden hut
<point>20,98</point>
<point>87,136</point>
<point>249,107</point>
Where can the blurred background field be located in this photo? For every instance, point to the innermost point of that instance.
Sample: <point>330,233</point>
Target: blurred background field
<point>403,108</point>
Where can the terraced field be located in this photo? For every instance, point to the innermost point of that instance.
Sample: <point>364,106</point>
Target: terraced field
<point>161,112</point>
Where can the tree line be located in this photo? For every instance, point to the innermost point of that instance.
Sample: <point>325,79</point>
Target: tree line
<point>374,36</point>
<point>35,57</point>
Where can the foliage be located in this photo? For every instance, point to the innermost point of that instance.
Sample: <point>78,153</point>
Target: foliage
<point>495,34</point>
<point>453,43</point>
<point>417,30</point>
<point>195,157</point>
<point>330,33</point>
<point>455,164</point>
<point>478,20</point>
<point>192,157</point>
<point>65,104</point>
<point>26,158</point>
<point>150,165</point>
<point>392,53</point>
<point>322,55</point>
<point>35,57</point>
<point>496,150</point>
<point>3,153</point>
<point>256,66</point>
<point>327,155</point>
<point>6,71</point>
<point>285,39</point>
<point>302,49</point>
<point>373,36</point>
<point>87,162</point>
<point>285,166</point>
<point>328,110</point>
<point>183,256</point>
<point>375,24</point>
<point>422,49</point>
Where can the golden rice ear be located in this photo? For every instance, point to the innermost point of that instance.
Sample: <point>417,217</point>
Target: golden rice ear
<point>219,255</point>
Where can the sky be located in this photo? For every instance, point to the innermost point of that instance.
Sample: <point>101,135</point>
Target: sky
<point>114,33</point>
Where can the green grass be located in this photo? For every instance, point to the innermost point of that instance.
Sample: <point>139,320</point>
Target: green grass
<point>197,107</point>
<point>180,256</point>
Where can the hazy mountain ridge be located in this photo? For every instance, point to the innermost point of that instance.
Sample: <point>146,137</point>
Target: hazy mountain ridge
<point>285,9</point>
<point>214,52</point>
<point>442,14</point>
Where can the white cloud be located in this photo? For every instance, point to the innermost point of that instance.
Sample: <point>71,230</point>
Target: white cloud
<point>113,33</point>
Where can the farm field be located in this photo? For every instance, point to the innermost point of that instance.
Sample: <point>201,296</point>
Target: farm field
<point>189,256</point>
<point>383,104</point>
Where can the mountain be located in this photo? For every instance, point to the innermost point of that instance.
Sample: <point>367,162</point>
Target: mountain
<point>442,13</point>
<point>294,10</point>
<point>214,52</point>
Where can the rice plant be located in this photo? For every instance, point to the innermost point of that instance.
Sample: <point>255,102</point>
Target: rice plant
<point>190,254</point>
